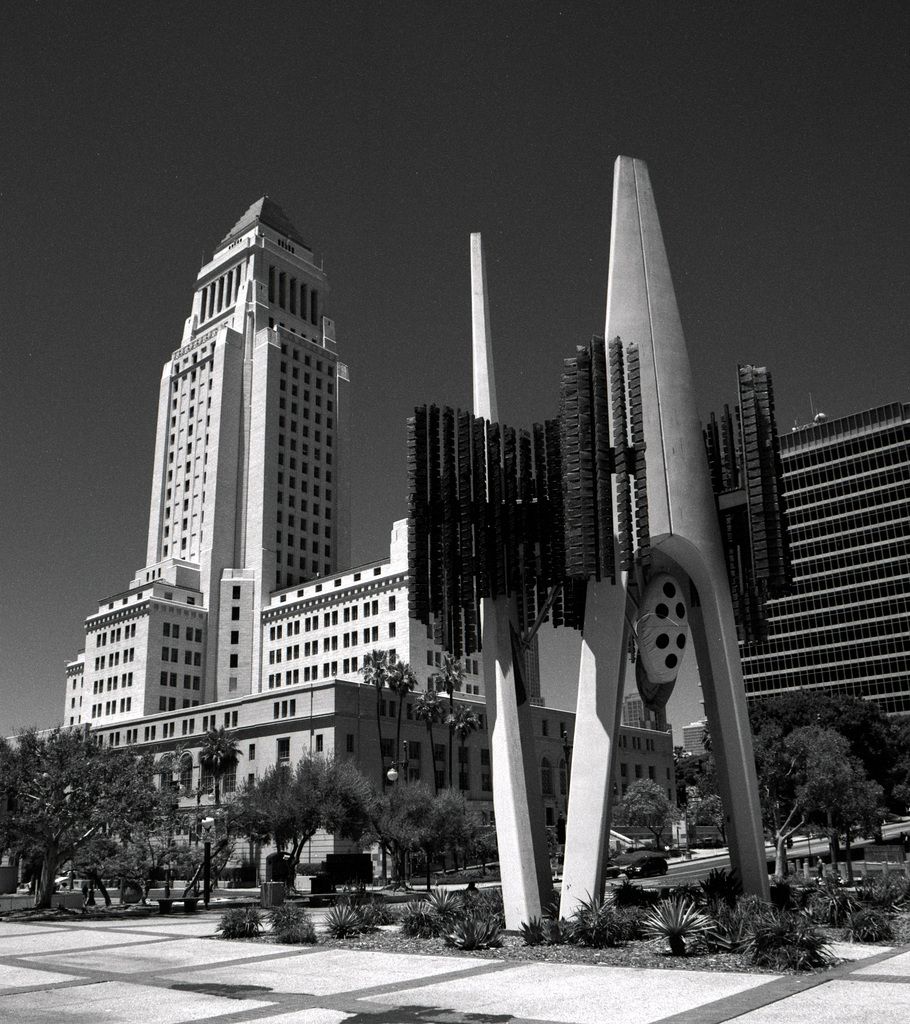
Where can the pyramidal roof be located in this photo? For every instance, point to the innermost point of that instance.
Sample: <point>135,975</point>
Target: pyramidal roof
<point>265,211</point>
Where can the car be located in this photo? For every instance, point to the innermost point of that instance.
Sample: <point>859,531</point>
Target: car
<point>645,865</point>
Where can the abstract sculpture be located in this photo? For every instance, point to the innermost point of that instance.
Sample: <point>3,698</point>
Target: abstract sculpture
<point>605,520</point>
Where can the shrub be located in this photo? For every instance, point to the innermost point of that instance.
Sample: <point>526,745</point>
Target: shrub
<point>447,905</point>
<point>420,921</point>
<point>374,911</point>
<point>869,924</point>
<point>291,925</point>
<point>533,932</point>
<point>598,924</point>
<point>691,892</point>
<point>627,894</point>
<point>559,931</point>
<point>831,904</point>
<point>241,923</point>
<point>486,902</point>
<point>731,928</point>
<point>475,931</point>
<point>344,921</point>
<point>884,892</point>
<point>787,943</point>
<point>677,921</point>
<point>722,886</point>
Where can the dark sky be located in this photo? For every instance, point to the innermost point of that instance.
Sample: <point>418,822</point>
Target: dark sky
<point>135,135</point>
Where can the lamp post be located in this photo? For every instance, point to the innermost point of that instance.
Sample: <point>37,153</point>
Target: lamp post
<point>392,776</point>
<point>207,825</point>
<point>392,773</point>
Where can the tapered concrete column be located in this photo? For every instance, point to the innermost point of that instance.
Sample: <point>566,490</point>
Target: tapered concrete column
<point>642,310</point>
<point>601,676</point>
<point>517,800</point>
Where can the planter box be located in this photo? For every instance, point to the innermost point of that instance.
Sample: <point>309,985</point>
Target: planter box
<point>67,900</point>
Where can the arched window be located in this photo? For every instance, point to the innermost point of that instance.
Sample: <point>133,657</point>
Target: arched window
<point>546,777</point>
<point>186,772</point>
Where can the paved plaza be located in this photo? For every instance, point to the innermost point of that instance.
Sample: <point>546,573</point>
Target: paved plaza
<point>166,970</point>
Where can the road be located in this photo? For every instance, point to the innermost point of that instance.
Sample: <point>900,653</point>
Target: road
<point>683,872</point>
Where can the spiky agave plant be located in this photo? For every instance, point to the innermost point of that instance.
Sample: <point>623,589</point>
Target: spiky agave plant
<point>676,921</point>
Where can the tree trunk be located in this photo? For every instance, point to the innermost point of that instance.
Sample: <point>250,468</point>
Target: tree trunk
<point>780,855</point>
<point>100,885</point>
<point>433,758</point>
<point>46,882</point>
<point>379,732</point>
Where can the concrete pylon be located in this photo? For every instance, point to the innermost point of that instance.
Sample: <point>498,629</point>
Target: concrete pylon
<point>517,800</point>
<point>685,541</point>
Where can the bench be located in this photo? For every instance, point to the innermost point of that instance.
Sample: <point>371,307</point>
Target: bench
<point>166,902</point>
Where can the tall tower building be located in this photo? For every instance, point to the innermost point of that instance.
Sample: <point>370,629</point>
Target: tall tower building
<point>845,628</point>
<point>248,487</point>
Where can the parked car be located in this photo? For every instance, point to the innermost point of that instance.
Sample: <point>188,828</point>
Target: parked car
<point>645,865</point>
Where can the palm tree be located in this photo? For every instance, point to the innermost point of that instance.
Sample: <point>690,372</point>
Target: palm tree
<point>401,680</point>
<point>376,672</point>
<point>463,722</point>
<point>450,680</point>
<point>218,756</point>
<point>428,708</point>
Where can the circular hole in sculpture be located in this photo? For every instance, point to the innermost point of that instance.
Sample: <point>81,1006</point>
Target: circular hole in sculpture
<point>662,641</point>
<point>669,589</point>
<point>662,611</point>
<point>670,661</point>
<point>681,641</point>
<point>680,610</point>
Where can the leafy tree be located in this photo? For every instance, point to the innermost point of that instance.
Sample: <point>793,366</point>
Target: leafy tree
<point>288,807</point>
<point>408,819</point>
<point>646,804</point>
<point>834,790</point>
<point>799,747</point>
<point>428,708</point>
<point>376,672</point>
<point>218,756</point>
<point>63,791</point>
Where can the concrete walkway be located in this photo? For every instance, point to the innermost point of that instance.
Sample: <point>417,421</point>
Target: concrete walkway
<point>165,970</point>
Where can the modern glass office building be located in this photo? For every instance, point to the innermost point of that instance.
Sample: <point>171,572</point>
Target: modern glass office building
<point>845,626</point>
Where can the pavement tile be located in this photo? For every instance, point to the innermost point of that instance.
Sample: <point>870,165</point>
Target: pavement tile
<point>896,965</point>
<point>856,950</point>
<point>9,930</point>
<point>846,1002</point>
<point>314,1015</point>
<point>117,1003</point>
<point>579,994</point>
<point>152,955</point>
<point>40,941</point>
<point>335,971</point>
<point>22,977</point>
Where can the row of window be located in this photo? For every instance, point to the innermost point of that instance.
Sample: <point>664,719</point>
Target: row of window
<point>855,485</point>
<point>120,633</point>
<point>287,293</point>
<point>110,707</point>
<point>820,454</point>
<point>129,654</point>
<point>189,682</point>
<point>220,294</point>
<point>112,682</point>
<point>858,503</point>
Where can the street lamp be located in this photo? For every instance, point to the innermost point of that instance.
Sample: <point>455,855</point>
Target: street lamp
<point>392,773</point>
<point>207,825</point>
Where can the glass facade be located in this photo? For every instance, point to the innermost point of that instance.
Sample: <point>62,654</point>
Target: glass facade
<point>845,627</point>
